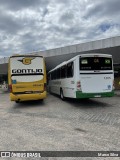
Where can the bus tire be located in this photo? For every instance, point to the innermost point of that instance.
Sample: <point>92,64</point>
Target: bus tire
<point>62,94</point>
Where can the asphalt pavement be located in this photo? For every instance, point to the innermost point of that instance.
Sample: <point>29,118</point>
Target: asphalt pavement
<point>56,125</point>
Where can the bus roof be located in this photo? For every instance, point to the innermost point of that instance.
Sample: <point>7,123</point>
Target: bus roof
<point>94,54</point>
<point>24,55</point>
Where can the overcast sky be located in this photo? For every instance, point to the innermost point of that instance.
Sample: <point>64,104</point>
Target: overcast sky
<point>33,25</point>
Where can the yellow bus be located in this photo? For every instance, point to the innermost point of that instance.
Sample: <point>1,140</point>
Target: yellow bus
<point>27,78</point>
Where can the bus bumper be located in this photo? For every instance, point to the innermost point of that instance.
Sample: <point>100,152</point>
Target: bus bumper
<point>27,97</point>
<point>94,95</point>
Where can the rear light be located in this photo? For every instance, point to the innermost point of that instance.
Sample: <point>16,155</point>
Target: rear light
<point>45,86</point>
<point>10,88</point>
<point>113,87</point>
<point>79,86</point>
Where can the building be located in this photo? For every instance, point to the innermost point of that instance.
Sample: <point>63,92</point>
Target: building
<point>55,56</point>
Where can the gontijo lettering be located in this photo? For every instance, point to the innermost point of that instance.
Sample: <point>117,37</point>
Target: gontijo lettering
<point>18,71</point>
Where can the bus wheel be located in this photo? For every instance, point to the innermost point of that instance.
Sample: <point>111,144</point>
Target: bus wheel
<point>17,101</point>
<point>62,95</point>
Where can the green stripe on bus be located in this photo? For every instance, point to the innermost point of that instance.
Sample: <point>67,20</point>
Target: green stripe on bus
<point>93,95</point>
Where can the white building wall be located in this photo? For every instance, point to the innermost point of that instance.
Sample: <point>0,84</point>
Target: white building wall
<point>78,48</point>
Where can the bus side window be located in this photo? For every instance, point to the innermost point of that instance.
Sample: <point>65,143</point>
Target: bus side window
<point>70,70</point>
<point>58,73</point>
<point>53,75</point>
<point>63,71</point>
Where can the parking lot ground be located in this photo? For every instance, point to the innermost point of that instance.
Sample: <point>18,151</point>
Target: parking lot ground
<point>51,125</point>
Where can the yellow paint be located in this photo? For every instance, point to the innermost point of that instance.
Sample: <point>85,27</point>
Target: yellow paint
<point>21,89</point>
<point>27,60</point>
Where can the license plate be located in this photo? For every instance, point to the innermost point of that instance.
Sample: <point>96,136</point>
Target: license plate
<point>28,92</point>
<point>97,96</point>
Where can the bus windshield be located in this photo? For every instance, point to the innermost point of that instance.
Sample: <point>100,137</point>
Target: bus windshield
<point>95,63</point>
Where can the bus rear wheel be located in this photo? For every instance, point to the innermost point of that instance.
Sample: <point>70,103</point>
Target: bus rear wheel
<point>62,95</point>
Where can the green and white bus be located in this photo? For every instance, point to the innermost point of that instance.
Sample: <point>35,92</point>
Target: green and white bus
<point>84,76</point>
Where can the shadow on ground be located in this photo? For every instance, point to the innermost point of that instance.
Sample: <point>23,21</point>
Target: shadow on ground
<point>29,104</point>
<point>85,103</point>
